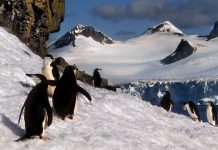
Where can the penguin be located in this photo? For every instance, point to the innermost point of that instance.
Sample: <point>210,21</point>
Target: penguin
<point>97,80</point>
<point>50,71</point>
<point>211,114</point>
<point>37,110</point>
<point>166,101</point>
<point>65,94</point>
<point>192,110</point>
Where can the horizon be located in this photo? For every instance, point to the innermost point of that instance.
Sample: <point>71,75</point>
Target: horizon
<point>125,19</point>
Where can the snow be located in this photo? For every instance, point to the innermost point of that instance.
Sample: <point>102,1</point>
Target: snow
<point>111,121</point>
<point>166,26</point>
<point>139,58</point>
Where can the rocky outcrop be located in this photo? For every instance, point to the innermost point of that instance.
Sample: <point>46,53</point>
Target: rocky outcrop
<point>214,32</point>
<point>183,50</point>
<point>32,20</point>
<point>87,31</point>
<point>80,75</point>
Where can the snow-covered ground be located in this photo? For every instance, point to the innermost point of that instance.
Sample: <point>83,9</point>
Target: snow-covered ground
<point>111,121</point>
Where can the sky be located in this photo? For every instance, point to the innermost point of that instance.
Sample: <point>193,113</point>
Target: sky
<point>123,19</point>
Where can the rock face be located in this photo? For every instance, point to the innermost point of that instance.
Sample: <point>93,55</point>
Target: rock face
<point>214,32</point>
<point>87,31</point>
<point>183,50</point>
<point>32,20</point>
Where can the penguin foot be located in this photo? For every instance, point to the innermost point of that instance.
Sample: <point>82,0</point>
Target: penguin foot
<point>44,138</point>
<point>70,117</point>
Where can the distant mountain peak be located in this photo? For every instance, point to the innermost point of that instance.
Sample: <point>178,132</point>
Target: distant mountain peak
<point>214,32</point>
<point>87,31</point>
<point>166,26</point>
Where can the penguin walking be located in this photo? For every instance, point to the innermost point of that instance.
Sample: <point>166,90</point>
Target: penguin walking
<point>50,71</point>
<point>166,101</point>
<point>97,80</point>
<point>65,94</point>
<point>37,110</point>
<point>192,110</point>
<point>211,114</point>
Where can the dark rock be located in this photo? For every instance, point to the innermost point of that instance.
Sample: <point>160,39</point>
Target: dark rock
<point>214,32</point>
<point>32,21</point>
<point>183,50</point>
<point>80,75</point>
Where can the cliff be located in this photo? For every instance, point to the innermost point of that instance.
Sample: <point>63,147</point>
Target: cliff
<point>32,20</point>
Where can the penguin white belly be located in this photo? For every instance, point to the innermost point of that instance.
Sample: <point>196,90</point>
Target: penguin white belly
<point>45,122</point>
<point>47,72</point>
<point>76,106</point>
<point>192,115</point>
<point>210,116</point>
<point>50,90</point>
<point>171,106</point>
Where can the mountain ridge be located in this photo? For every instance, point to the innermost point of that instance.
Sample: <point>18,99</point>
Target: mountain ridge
<point>70,37</point>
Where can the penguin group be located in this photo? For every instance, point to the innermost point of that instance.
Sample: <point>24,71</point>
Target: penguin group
<point>63,90</point>
<point>191,108</point>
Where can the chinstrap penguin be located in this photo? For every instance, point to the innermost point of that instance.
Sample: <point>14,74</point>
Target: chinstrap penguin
<point>166,101</point>
<point>192,110</point>
<point>97,80</point>
<point>211,114</point>
<point>50,71</point>
<point>65,94</point>
<point>37,110</point>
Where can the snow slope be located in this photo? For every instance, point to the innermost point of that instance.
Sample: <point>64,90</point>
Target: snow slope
<point>111,121</point>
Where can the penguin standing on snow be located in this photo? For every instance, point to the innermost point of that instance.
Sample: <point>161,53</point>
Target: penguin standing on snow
<point>166,101</point>
<point>97,80</point>
<point>211,114</point>
<point>50,71</point>
<point>192,110</point>
<point>37,110</point>
<point>65,94</point>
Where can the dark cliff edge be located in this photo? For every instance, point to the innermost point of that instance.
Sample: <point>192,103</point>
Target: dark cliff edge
<point>32,21</point>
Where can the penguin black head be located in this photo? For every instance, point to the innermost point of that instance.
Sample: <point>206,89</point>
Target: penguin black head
<point>167,93</point>
<point>210,103</point>
<point>75,69</point>
<point>96,69</point>
<point>49,56</point>
<point>68,74</point>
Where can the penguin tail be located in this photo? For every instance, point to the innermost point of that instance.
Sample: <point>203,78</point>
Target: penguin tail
<point>23,138</point>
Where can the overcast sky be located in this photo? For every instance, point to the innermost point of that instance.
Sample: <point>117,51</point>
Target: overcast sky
<point>122,19</point>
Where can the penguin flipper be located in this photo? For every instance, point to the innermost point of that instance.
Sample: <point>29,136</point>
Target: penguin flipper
<point>51,82</point>
<point>84,92</point>
<point>21,111</point>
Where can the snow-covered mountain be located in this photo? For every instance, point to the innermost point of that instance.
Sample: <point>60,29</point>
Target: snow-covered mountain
<point>111,121</point>
<point>140,58</point>
<point>214,33</point>
<point>71,37</point>
<point>166,26</point>
<point>157,56</point>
